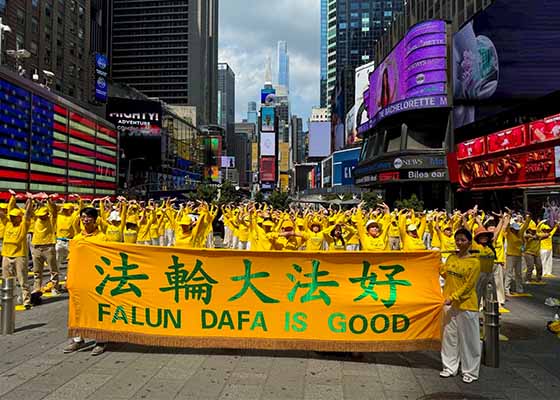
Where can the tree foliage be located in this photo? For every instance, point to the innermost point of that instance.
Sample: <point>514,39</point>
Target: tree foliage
<point>279,200</point>
<point>413,202</point>
<point>371,199</point>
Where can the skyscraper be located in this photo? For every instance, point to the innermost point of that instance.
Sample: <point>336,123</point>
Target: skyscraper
<point>168,51</point>
<point>226,100</point>
<point>324,59</point>
<point>252,115</point>
<point>283,65</point>
<point>354,27</point>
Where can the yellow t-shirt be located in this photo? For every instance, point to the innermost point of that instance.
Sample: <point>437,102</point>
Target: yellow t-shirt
<point>486,257</point>
<point>15,239</point>
<point>532,246</point>
<point>499,247</point>
<point>44,232</point>
<point>114,233</point>
<point>514,242</point>
<point>461,275</point>
<point>130,236</point>
<point>447,244</point>
<point>65,226</point>
<point>546,243</point>
<point>95,237</point>
<point>3,222</point>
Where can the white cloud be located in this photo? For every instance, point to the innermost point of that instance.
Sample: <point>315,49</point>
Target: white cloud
<point>249,32</point>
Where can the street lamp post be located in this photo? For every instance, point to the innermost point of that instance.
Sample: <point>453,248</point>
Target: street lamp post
<point>3,28</point>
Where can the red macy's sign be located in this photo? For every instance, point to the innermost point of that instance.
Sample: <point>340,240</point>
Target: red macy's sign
<point>508,170</point>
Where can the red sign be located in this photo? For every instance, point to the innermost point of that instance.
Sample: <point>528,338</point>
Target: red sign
<point>471,148</point>
<point>508,139</point>
<point>268,169</point>
<point>389,176</point>
<point>509,170</point>
<point>545,130</point>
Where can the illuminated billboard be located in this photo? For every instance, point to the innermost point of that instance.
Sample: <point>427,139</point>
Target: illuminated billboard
<point>268,169</point>
<point>412,77</point>
<point>267,119</point>
<point>268,144</point>
<point>319,139</point>
<point>49,144</point>
<point>506,55</point>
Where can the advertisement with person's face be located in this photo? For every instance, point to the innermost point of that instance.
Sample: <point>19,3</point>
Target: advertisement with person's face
<point>413,76</point>
<point>507,55</point>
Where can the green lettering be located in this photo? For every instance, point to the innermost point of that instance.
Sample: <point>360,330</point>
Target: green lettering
<point>120,315</point>
<point>149,321</point>
<point>299,322</point>
<point>241,318</point>
<point>225,319</point>
<point>341,328</point>
<point>204,322</point>
<point>101,312</point>
<point>287,321</point>
<point>175,320</point>
<point>134,321</point>
<point>259,322</point>
<point>353,328</point>
<point>385,323</point>
<point>404,323</point>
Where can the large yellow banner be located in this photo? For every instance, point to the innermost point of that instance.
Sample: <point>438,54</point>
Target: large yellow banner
<point>341,301</point>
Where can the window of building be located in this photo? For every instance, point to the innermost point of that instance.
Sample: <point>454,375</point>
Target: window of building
<point>34,25</point>
<point>33,48</point>
<point>2,5</point>
<point>35,3</point>
<point>20,17</point>
<point>20,41</point>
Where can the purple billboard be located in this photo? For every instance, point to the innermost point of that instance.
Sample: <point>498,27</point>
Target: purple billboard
<point>413,76</point>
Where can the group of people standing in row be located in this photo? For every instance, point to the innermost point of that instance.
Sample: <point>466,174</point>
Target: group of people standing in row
<point>476,247</point>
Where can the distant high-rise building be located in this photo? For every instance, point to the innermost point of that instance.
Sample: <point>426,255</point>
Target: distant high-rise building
<point>283,65</point>
<point>61,38</point>
<point>353,28</point>
<point>226,100</point>
<point>168,50</point>
<point>298,140</point>
<point>252,114</point>
<point>324,58</point>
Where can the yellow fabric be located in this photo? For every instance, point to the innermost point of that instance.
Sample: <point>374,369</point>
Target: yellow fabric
<point>515,240</point>
<point>499,247</point>
<point>114,233</point>
<point>486,257</point>
<point>95,237</point>
<point>461,275</point>
<point>65,226</point>
<point>115,309</point>
<point>130,235</point>
<point>447,244</point>
<point>546,243</point>
<point>532,246</point>
<point>15,239</point>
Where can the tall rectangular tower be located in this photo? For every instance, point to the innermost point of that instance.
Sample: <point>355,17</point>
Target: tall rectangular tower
<point>283,65</point>
<point>226,100</point>
<point>168,51</point>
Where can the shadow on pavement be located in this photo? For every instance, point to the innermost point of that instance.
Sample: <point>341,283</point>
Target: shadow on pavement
<point>29,327</point>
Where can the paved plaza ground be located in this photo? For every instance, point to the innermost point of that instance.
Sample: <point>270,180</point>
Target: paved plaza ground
<point>32,366</point>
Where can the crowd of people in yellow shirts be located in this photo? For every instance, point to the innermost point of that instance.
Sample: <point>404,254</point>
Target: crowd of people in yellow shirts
<point>476,247</point>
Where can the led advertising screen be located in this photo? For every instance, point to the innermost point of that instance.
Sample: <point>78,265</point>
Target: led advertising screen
<point>135,117</point>
<point>267,119</point>
<point>268,169</point>
<point>228,162</point>
<point>506,55</point>
<point>268,144</point>
<point>268,96</point>
<point>319,139</point>
<point>51,145</point>
<point>101,72</point>
<point>412,77</point>
<point>359,111</point>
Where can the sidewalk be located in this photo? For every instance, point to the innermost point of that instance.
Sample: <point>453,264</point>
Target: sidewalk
<point>32,366</point>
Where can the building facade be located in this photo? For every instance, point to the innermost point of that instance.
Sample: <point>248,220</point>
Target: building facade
<point>298,141</point>
<point>283,65</point>
<point>252,114</point>
<point>354,27</point>
<point>168,51</point>
<point>226,100</point>
<point>60,38</point>
<point>324,42</point>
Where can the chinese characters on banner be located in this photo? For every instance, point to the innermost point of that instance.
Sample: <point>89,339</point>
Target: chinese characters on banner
<point>228,299</point>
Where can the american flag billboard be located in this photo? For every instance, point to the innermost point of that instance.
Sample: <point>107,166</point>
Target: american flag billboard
<point>48,145</point>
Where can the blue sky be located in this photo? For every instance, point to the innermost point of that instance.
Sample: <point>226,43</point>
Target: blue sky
<point>249,32</point>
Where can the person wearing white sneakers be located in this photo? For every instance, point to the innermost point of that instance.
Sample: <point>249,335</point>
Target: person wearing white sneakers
<point>460,344</point>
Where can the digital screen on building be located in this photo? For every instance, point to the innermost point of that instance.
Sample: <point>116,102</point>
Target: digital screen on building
<point>47,146</point>
<point>319,139</point>
<point>101,72</point>
<point>412,77</point>
<point>139,125</point>
<point>268,144</point>
<point>506,55</point>
<point>268,96</point>
<point>267,119</point>
<point>268,169</point>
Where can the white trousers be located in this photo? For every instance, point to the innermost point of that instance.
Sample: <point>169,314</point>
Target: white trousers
<point>546,259</point>
<point>169,237</point>
<point>460,344</point>
<point>499,282</point>
<point>353,247</point>
<point>61,249</point>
